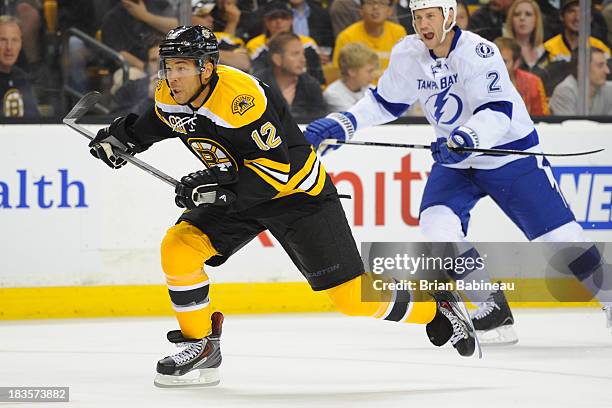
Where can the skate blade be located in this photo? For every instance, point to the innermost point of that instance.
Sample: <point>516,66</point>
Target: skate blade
<point>205,377</point>
<point>501,336</point>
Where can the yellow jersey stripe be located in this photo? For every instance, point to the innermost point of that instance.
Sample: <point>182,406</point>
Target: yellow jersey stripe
<point>303,172</point>
<point>271,164</point>
<point>268,179</point>
<point>290,186</point>
<point>306,185</point>
<point>159,115</point>
<point>281,177</point>
<point>320,182</point>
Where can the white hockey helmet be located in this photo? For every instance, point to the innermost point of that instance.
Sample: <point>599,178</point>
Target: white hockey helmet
<point>445,5</point>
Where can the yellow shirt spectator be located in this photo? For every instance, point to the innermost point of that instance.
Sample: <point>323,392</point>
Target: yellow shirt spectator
<point>259,44</point>
<point>228,41</point>
<point>382,45</point>
<point>559,50</point>
<point>258,52</point>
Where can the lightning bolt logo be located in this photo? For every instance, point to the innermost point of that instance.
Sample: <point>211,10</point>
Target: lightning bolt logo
<point>440,105</point>
<point>441,99</point>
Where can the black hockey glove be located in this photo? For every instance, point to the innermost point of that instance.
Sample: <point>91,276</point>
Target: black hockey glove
<point>203,187</point>
<point>116,136</point>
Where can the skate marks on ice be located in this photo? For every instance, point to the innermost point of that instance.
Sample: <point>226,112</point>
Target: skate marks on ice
<point>563,359</point>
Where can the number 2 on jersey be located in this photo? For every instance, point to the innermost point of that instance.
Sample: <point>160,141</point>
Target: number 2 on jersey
<point>493,86</point>
<point>268,131</point>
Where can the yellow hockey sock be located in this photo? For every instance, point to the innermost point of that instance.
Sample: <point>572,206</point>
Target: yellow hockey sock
<point>358,297</point>
<point>184,250</point>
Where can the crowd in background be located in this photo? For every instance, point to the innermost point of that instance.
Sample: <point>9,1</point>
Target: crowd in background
<point>322,55</point>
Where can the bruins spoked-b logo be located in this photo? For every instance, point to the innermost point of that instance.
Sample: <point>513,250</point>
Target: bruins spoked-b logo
<point>211,152</point>
<point>13,105</point>
<point>242,103</point>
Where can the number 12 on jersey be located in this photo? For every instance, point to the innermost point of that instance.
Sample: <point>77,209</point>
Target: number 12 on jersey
<point>267,131</point>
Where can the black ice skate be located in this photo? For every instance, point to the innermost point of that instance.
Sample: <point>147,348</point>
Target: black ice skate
<point>452,322</point>
<point>196,365</point>
<point>493,321</point>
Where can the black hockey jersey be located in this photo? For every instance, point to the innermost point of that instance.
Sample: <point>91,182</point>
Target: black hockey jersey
<point>245,124</point>
<point>16,97</point>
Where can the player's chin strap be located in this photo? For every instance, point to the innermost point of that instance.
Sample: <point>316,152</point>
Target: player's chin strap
<point>450,28</point>
<point>198,92</point>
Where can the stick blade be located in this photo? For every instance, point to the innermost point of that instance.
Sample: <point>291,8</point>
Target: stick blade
<point>82,106</point>
<point>576,154</point>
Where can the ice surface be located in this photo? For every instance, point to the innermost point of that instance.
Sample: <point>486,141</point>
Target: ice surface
<point>563,359</point>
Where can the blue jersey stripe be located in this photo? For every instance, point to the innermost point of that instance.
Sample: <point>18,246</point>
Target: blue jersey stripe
<point>504,107</point>
<point>521,144</point>
<point>396,109</point>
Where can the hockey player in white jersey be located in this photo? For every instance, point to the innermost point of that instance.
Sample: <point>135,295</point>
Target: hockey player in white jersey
<point>461,82</point>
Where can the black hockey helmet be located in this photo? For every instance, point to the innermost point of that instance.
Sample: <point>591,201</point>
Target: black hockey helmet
<point>194,42</point>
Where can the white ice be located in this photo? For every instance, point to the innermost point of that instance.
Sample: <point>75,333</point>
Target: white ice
<point>563,359</point>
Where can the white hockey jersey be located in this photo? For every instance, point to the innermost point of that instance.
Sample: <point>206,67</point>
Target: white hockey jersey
<point>470,87</point>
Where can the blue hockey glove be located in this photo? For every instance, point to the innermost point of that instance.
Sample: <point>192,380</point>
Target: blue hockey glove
<point>442,149</point>
<point>337,125</point>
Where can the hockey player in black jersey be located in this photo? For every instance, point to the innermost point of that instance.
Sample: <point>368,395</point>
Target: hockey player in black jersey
<point>259,173</point>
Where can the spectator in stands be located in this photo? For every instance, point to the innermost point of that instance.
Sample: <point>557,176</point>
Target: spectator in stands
<point>529,86</point>
<point>232,51</point>
<point>278,18</point>
<point>312,20</point>
<point>202,15</point>
<point>524,24</point>
<point>125,33</point>
<point>373,30</point>
<point>238,18</point>
<point>599,26</point>
<point>358,67</point>
<point>552,24</point>
<point>288,75</point>
<point>77,15</point>
<point>561,46</point>
<point>343,13</point>
<point>138,95</point>
<point>564,100</point>
<point>607,13</point>
<point>489,19</point>
<point>160,22</point>
<point>227,17</point>
<point>17,97</point>
<point>550,16</point>
<point>29,13</point>
<point>404,16</point>
<point>463,15</point>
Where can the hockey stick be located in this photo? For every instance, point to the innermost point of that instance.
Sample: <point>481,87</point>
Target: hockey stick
<point>81,108</point>
<point>496,152</point>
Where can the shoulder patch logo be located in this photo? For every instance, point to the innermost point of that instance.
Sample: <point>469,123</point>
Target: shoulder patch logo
<point>242,103</point>
<point>484,50</point>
